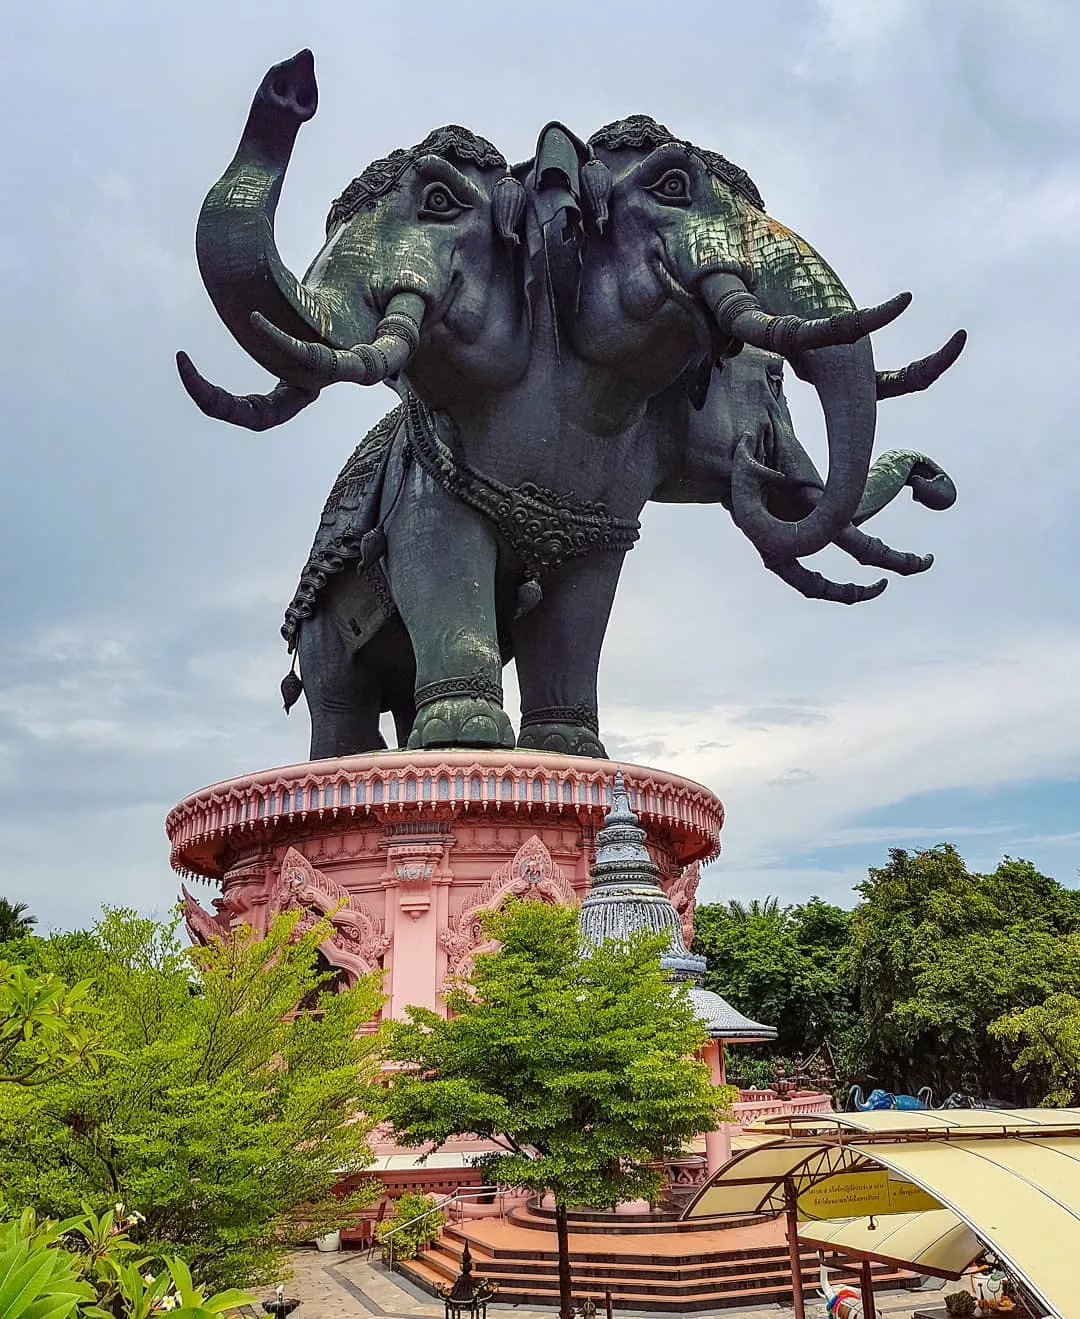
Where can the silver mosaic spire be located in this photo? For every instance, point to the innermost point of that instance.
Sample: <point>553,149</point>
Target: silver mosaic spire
<point>625,898</point>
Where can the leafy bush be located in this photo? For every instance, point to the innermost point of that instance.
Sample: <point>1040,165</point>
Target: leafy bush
<point>960,1303</point>
<point>409,1241</point>
<point>88,1268</point>
<point>225,1115</point>
<point>750,1072</point>
<point>36,1278</point>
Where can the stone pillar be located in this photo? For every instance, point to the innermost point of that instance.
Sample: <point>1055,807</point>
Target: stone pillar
<point>410,866</point>
<point>718,1142</point>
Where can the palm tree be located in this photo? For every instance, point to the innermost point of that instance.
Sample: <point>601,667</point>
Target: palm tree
<point>15,920</point>
<point>755,909</point>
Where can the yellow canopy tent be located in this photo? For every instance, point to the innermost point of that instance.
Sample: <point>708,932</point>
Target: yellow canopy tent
<point>934,1242</point>
<point>1012,1177</point>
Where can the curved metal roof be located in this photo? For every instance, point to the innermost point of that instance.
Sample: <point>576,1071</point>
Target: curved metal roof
<point>935,1241</point>
<point>1010,1176</point>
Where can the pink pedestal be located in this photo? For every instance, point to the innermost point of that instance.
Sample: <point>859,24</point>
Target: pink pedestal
<point>412,847</point>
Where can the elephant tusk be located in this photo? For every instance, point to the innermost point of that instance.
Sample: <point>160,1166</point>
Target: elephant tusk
<point>816,587</point>
<point>316,365</point>
<point>920,375</point>
<point>255,412</point>
<point>739,315</point>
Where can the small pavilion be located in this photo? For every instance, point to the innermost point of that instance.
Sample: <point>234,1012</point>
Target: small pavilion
<point>625,898</point>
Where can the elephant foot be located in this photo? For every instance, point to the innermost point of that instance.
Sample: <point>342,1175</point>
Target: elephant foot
<point>570,732</point>
<point>461,721</point>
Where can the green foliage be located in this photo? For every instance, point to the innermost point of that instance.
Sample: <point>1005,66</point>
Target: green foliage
<point>410,1237</point>
<point>960,1304</point>
<point>780,965</point>
<point>1049,1038</point>
<point>940,977</point>
<point>750,1069</point>
<point>939,953</point>
<point>46,1028</point>
<point>580,1062</point>
<point>37,1280</point>
<point>15,920</point>
<point>90,1268</point>
<point>224,1120</point>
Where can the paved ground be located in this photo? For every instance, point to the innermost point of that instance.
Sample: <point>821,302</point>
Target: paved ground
<point>346,1286</point>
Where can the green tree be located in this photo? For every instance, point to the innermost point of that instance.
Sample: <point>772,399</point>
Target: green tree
<point>938,953</point>
<point>579,1062</point>
<point>15,920</point>
<point>225,1117</point>
<point>47,1029</point>
<point>781,966</point>
<point>1047,1036</point>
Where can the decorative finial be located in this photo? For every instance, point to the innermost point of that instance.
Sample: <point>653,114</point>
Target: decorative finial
<point>620,811</point>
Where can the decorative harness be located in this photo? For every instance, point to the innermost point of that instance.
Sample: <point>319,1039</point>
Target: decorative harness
<point>544,528</point>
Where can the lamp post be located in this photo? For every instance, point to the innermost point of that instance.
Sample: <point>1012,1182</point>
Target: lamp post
<point>468,1297</point>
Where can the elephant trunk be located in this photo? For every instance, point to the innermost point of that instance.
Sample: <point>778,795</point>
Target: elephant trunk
<point>234,244</point>
<point>844,379</point>
<point>834,355</point>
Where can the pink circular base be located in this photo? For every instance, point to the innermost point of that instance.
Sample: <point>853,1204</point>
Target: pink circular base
<point>406,850</point>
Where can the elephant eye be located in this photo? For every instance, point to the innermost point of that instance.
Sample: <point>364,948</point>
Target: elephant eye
<point>439,203</point>
<point>672,188</point>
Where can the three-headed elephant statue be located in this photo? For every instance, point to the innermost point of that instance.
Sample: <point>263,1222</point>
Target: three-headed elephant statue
<point>599,327</point>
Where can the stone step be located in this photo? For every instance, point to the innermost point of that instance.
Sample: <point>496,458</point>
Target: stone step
<point>549,1251</point>
<point>610,1268</point>
<point>545,1292</point>
<point>543,1220</point>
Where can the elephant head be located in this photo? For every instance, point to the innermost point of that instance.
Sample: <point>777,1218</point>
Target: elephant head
<point>681,267</point>
<point>417,274</point>
<point>747,402</point>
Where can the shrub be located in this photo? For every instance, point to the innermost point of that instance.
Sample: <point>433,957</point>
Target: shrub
<point>960,1303</point>
<point>410,1240</point>
<point>88,1266</point>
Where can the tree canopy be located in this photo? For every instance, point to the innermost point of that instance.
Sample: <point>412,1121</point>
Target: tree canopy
<point>908,986</point>
<point>578,1061</point>
<point>779,965</point>
<point>938,954</point>
<point>221,1114</point>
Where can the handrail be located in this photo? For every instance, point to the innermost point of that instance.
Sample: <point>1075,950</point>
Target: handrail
<point>455,1197</point>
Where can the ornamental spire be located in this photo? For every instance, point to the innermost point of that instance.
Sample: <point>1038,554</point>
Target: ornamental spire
<point>625,897</point>
<point>624,893</point>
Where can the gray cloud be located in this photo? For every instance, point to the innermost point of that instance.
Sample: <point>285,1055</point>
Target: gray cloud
<point>148,552</point>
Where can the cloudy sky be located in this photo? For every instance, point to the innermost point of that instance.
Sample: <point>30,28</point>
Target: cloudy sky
<point>149,551</point>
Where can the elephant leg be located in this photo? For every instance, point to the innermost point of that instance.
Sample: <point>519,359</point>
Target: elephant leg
<point>343,693</point>
<point>442,559</point>
<point>558,647</point>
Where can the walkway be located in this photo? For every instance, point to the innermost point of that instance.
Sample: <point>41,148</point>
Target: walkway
<point>346,1286</point>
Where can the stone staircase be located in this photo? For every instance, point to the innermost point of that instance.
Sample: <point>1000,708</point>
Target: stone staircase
<point>646,1262</point>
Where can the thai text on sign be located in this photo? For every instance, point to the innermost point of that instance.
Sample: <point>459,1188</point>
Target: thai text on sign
<point>856,1194</point>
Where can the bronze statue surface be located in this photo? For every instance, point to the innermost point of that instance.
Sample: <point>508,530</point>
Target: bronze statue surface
<point>601,326</point>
